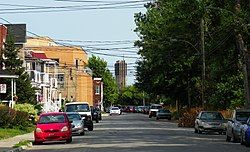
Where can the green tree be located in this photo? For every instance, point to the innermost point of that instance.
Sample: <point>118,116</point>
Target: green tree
<point>100,70</point>
<point>170,64</point>
<point>24,90</point>
<point>130,95</point>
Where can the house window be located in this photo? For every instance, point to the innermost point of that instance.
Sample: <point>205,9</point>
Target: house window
<point>60,80</point>
<point>77,64</point>
<point>97,89</point>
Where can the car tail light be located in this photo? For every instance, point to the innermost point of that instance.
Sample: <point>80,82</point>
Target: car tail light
<point>65,128</point>
<point>38,130</point>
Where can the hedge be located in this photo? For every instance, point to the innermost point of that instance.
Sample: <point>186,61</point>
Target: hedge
<point>10,118</point>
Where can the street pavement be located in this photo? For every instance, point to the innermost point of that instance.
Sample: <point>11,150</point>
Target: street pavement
<point>138,133</point>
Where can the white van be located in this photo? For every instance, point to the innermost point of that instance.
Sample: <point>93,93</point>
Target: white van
<point>83,109</point>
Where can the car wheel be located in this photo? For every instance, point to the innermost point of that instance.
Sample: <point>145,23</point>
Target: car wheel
<point>169,118</point>
<point>157,118</point>
<point>90,128</point>
<point>228,138</point>
<point>199,131</point>
<point>97,120</point>
<point>150,116</point>
<point>37,142</point>
<point>69,140</point>
<point>82,133</point>
<point>241,140</point>
<point>247,144</point>
<point>195,130</point>
<point>234,139</point>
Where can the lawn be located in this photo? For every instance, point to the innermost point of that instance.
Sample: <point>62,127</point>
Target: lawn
<point>7,133</point>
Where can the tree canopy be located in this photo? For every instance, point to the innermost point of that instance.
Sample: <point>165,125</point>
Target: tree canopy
<point>170,49</point>
<point>13,64</point>
<point>100,70</point>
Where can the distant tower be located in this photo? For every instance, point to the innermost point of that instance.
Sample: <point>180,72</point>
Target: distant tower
<point>121,73</point>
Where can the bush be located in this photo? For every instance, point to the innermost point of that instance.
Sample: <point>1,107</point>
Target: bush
<point>7,116</point>
<point>188,117</point>
<point>28,108</point>
<point>10,118</point>
<point>21,120</point>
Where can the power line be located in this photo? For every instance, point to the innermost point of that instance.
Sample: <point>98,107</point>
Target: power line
<point>71,6</point>
<point>42,9</point>
<point>92,52</point>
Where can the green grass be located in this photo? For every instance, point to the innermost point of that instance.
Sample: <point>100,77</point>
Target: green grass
<point>7,133</point>
<point>22,143</point>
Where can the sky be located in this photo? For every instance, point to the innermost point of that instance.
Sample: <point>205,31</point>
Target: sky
<point>104,28</point>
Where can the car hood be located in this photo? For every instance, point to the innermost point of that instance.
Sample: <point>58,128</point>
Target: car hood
<point>214,121</point>
<point>77,122</point>
<point>51,126</point>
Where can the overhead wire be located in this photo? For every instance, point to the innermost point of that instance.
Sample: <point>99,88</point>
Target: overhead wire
<point>41,9</point>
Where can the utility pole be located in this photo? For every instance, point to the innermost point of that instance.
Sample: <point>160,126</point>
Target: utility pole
<point>203,63</point>
<point>246,55</point>
<point>143,99</point>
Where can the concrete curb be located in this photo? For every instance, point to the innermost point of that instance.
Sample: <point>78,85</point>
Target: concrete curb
<point>22,148</point>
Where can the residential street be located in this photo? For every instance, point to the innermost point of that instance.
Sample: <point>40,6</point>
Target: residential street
<point>136,132</point>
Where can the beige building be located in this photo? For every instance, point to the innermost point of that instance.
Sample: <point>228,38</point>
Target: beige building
<point>74,83</point>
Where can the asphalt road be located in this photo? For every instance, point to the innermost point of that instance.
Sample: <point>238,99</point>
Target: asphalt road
<point>138,133</point>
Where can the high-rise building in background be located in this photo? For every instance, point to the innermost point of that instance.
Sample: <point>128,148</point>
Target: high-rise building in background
<point>121,73</point>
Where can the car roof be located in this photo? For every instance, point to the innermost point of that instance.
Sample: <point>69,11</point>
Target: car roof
<point>72,113</point>
<point>71,103</point>
<point>52,113</point>
<point>156,105</point>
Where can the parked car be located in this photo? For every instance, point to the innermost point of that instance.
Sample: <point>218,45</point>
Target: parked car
<point>234,125</point>
<point>77,123</point>
<point>96,114</point>
<point>83,109</point>
<point>153,109</point>
<point>210,121</point>
<point>54,126</point>
<point>115,111</point>
<point>146,110</point>
<point>140,109</point>
<point>245,134</point>
<point>163,114</point>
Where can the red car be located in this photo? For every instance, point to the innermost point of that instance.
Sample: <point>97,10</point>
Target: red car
<point>54,126</point>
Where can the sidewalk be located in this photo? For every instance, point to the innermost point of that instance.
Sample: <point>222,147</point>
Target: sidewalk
<point>6,145</point>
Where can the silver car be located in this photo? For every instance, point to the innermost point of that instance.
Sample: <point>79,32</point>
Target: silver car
<point>210,121</point>
<point>245,134</point>
<point>77,124</point>
<point>235,124</point>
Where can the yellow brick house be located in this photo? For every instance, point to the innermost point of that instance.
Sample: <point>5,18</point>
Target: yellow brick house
<point>74,83</point>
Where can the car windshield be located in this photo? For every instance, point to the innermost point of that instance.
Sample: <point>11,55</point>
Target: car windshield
<point>164,111</point>
<point>211,116</point>
<point>73,117</point>
<point>242,116</point>
<point>77,108</point>
<point>156,107</point>
<point>46,119</point>
<point>115,108</point>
